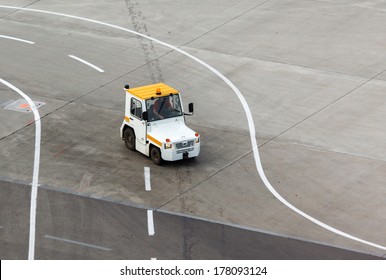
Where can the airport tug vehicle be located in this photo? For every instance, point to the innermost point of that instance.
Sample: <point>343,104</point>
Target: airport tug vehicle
<point>154,124</point>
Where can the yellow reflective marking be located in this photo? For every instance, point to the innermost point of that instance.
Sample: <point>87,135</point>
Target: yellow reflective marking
<point>154,140</point>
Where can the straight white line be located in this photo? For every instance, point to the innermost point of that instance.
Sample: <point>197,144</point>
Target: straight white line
<point>35,176</point>
<point>147,178</point>
<point>150,222</point>
<point>17,39</point>
<point>153,259</point>
<point>246,108</point>
<point>87,63</point>
<point>77,243</point>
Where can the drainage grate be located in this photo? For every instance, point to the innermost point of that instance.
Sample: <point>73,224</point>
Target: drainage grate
<point>21,105</point>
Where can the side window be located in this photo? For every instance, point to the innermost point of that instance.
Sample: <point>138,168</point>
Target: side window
<point>136,108</point>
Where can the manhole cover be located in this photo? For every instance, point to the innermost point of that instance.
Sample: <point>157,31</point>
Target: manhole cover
<point>22,106</point>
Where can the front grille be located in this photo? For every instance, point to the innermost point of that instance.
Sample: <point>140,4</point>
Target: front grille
<point>184,144</point>
<point>185,150</point>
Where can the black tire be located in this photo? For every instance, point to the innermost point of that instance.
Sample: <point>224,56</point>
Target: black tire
<point>129,138</point>
<point>155,155</point>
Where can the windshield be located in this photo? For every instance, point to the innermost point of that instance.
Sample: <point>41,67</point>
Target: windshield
<point>163,107</point>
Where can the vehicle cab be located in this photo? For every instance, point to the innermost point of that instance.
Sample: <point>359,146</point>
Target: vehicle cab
<point>154,124</point>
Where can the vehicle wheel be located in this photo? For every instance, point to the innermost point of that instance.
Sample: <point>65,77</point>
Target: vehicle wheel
<point>129,139</point>
<point>155,155</point>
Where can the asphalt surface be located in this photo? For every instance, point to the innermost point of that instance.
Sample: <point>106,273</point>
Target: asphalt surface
<point>312,73</point>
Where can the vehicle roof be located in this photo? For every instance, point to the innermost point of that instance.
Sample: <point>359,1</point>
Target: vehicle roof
<point>149,91</point>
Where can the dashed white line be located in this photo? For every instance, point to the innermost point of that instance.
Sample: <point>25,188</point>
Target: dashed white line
<point>248,113</point>
<point>86,63</point>
<point>77,243</point>
<point>17,39</point>
<point>147,178</point>
<point>150,222</point>
<point>35,176</point>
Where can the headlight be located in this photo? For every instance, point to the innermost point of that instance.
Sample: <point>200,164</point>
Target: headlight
<point>168,145</point>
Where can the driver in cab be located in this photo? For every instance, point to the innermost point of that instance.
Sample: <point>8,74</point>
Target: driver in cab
<point>162,108</point>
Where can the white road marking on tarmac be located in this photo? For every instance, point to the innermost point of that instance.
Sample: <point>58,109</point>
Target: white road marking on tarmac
<point>147,178</point>
<point>35,176</point>
<point>17,39</point>
<point>86,63</point>
<point>150,222</point>
<point>77,243</point>
<point>248,113</point>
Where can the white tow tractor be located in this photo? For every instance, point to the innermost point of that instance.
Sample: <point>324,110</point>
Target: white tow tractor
<point>154,124</point>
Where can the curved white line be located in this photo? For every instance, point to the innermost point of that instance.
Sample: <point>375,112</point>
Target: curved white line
<point>17,39</point>
<point>87,63</point>
<point>248,113</point>
<point>35,176</point>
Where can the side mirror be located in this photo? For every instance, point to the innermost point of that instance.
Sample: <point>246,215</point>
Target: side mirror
<point>191,108</point>
<point>145,116</point>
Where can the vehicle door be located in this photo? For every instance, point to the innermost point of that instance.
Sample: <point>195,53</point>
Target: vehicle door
<point>138,124</point>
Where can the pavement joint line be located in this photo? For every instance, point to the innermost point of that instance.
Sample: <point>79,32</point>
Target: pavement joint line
<point>261,231</point>
<point>227,131</point>
<point>327,71</point>
<point>325,150</point>
<point>326,106</point>
<point>17,10</point>
<point>226,22</point>
<point>147,178</point>
<point>150,223</point>
<point>77,243</point>
<point>87,63</point>
<point>247,111</point>
<point>36,166</point>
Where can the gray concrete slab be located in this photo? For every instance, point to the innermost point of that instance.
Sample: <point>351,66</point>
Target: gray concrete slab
<point>75,227</point>
<point>311,72</point>
<point>349,198</point>
<point>335,36</point>
<point>353,125</point>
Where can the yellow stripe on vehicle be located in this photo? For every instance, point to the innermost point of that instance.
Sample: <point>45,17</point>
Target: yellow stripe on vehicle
<point>154,140</point>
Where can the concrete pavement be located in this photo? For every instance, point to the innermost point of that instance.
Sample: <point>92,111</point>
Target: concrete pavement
<point>312,73</point>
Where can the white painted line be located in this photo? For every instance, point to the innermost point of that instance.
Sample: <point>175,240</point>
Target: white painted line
<point>150,222</point>
<point>248,113</point>
<point>153,259</point>
<point>35,176</point>
<point>147,178</point>
<point>87,63</point>
<point>17,39</point>
<point>77,243</point>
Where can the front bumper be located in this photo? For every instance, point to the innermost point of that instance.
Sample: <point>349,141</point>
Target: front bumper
<point>173,154</point>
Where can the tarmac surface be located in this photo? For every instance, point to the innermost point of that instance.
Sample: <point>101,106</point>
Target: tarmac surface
<point>312,73</point>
